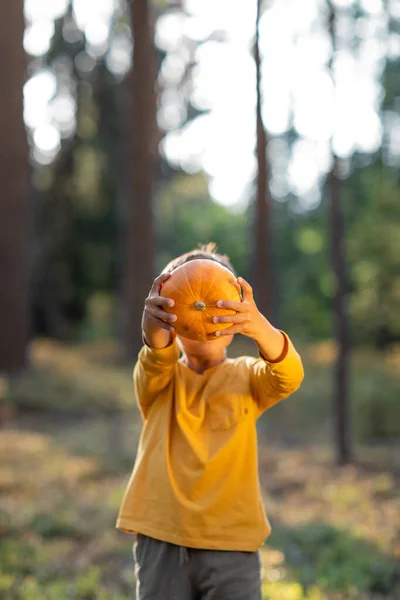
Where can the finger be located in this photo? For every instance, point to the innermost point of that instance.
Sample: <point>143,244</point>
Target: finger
<point>237,286</point>
<point>157,283</point>
<point>238,318</point>
<point>160,314</point>
<point>160,324</point>
<point>230,304</point>
<point>159,301</point>
<point>238,328</point>
<point>247,289</point>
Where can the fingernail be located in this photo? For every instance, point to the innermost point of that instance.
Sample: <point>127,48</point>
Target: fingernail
<point>171,302</point>
<point>220,303</point>
<point>216,319</point>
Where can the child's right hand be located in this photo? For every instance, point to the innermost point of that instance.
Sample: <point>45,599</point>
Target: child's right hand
<point>156,327</point>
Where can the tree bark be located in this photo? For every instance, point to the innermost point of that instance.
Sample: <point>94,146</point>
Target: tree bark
<point>14,311</point>
<point>341,376</point>
<point>341,324</point>
<point>138,226</point>
<point>262,255</point>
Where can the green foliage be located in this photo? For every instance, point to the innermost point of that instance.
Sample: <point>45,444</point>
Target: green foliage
<point>376,412</point>
<point>290,591</point>
<point>16,557</point>
<point>373,251</point>
<point>77,217</point>
<point>67,379</point>
<point>76,198</point>
<point>54,526</point>
<point>87,586</point>
<point>333,560</point>
<point>305,284</point>
<point>186,217</point>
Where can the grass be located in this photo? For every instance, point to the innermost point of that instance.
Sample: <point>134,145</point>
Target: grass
<point>334,530</point>
<point>67,452</point>
<point>83,379</point>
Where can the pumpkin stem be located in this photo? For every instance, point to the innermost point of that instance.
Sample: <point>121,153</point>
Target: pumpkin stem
<point>199,305</point>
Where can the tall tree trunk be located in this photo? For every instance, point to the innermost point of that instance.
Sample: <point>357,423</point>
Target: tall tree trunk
<point>14,320</point>
<point>262,257</point>
<point>341,373</point>
<point>138,225</point>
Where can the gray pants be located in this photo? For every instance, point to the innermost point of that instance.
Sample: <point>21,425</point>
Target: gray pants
<point>165,571</point>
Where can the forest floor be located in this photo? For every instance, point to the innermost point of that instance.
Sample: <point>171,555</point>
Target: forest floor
<point>67,446</point>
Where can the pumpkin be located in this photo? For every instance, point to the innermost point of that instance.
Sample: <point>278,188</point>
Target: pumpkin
<point>195,287</point>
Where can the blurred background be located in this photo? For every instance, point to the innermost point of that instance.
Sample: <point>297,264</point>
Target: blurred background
<point>130,132</point>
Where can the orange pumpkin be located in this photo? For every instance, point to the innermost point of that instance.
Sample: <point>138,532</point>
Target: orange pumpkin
<point>195,287</point>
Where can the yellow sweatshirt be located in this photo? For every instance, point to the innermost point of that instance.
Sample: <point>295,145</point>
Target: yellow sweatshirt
<point>195,479</point>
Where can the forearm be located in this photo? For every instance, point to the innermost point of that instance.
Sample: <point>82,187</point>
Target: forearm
<point>155,337</point>
<point>153,372</point>
<point>159,339</point>
<point>275,378</point>
<point>270,341</point>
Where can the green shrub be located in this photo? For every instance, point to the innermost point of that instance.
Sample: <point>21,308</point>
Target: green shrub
<point>49,526</point>
<point>333,560</point>
<point>376,406</point>
<point>87,586</point>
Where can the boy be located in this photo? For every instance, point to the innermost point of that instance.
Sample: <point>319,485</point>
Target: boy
<point>193,498</point>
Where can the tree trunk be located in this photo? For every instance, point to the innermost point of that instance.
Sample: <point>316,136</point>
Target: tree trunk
<point>262,256</point>
<point>139,236</point>
<point>341,373</point>
<point>14,320</point>
<point>341,377</point>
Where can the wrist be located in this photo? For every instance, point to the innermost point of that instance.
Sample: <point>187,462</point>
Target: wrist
<point>270,341</point>
<point>158,340</point>
<point>263,330</point>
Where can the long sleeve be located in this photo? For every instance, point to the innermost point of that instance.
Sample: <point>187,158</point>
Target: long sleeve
<point>153,372</point>
<point>274,381</point>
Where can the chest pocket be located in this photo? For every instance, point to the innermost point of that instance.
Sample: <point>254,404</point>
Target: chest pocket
<point>225,411</point>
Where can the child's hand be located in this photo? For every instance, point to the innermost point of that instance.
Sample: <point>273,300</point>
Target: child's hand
<point>250,322</point>
<point>155,321</point>
<point>247,319</point>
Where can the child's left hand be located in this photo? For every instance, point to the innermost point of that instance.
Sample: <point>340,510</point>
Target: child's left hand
<point>248,320</point>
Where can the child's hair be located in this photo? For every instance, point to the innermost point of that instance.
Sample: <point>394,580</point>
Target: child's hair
<point>205,251</point>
